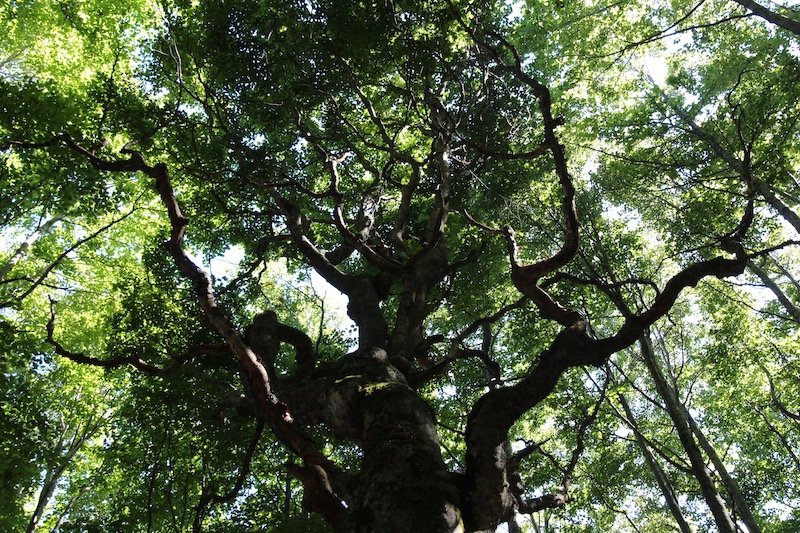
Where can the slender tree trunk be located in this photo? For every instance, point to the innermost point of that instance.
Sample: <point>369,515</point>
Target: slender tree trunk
<point>51,479</point>
<point>287,498</point>
<point>712,497</point>
<point>661,477</point>
<point>776,290</point>
<point>48,488</point>
<point>771,16</point>
<point>730,484</point>
<point>69,444</point>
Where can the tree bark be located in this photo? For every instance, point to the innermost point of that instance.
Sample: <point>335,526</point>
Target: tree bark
<point>771,16</point>
<point>403,484</point>
<point>658,473</point>
<point>712,497</point>
<point>740,504</point>
<point>776,290</point>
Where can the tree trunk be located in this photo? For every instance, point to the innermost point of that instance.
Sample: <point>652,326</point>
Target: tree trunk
<point>661,477</point>
<point>55,472</point>
<point>712,497</point>
<point>771,16</point>
<point>730,484</point>
<point>776,290</point>
<point>41,504</point>
<point>403,484</point>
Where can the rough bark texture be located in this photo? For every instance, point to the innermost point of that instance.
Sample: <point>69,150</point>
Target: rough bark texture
<point>403,484</point>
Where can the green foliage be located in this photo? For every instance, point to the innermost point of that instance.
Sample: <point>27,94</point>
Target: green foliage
<point>246,101</point>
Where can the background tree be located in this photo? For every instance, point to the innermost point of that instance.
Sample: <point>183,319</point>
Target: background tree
<point>505,198</point>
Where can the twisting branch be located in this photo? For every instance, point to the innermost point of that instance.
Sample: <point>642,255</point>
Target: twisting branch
<point>136,362</point>
<point>269,407</point>
<point>487,480</point>
<point>305,356</point>
<point>457,352</point>
<point>615,285</point>
<point>718,267</point>
<point>276,412</point>
<point>364,292</point>
<point>484,227</point>
<point>367,251</point>
<point>526,277</point>
<point>264,336</point>
<point>526,280</point>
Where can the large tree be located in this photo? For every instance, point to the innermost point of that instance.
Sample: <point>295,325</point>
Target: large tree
<point>543,249</point>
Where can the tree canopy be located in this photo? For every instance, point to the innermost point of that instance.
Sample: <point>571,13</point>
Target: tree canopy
<point>425,266</point>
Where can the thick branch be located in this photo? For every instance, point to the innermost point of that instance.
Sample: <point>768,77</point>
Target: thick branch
<point>364,292</point>
<point>275,412</point>
<point>495,412</point>
<point>526,279</point>
<point>718,267</point>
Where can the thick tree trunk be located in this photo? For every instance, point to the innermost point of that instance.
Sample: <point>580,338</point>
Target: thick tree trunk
<point>402,484</point>
<point>771,16</point>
